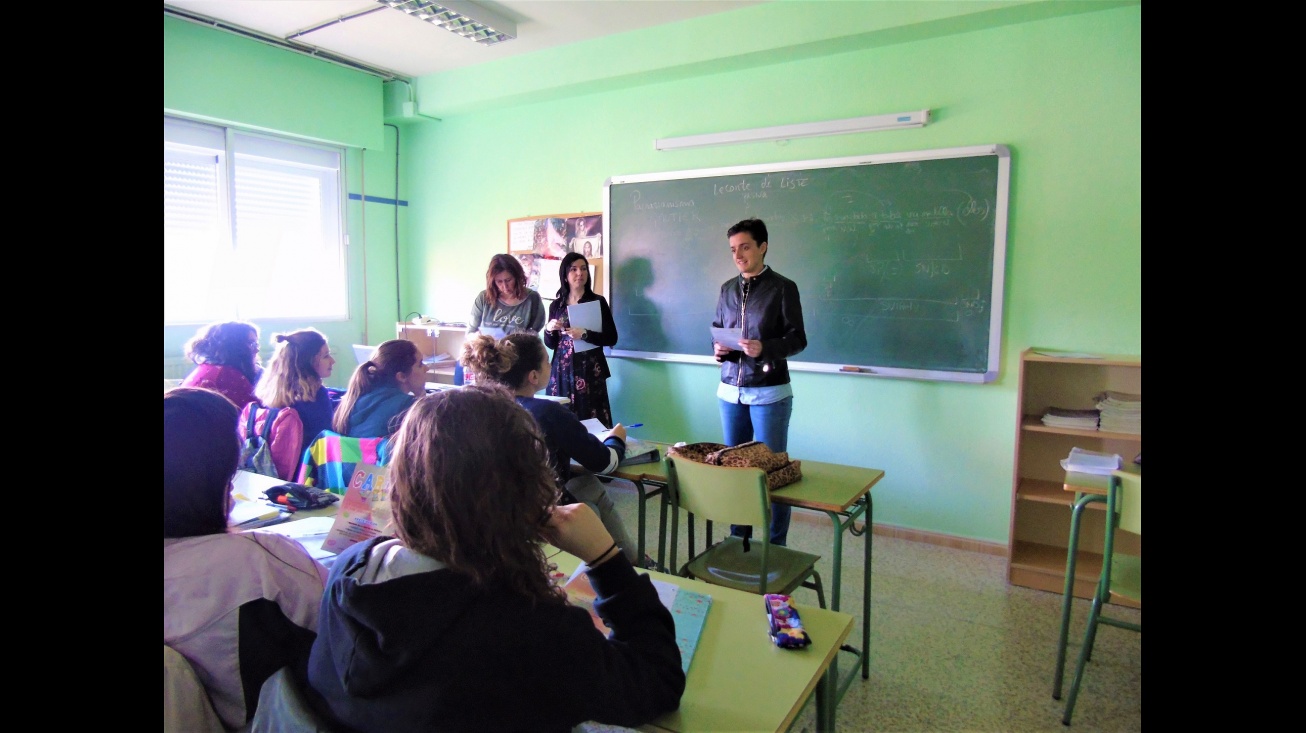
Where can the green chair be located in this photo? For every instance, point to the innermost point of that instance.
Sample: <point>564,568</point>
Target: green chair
<point>736,496</point>
<point>1122,574</point>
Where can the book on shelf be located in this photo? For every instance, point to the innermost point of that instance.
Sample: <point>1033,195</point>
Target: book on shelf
<point>688,609</point>
<point>1122,412</point>
<point>1064,417</point>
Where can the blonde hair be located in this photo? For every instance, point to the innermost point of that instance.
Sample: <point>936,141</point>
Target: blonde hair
<point>290,375</point>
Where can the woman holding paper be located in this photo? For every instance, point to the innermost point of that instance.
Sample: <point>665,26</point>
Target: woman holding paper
<point>575,333</point>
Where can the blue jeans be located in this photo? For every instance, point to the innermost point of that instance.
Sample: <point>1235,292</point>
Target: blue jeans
<point>768,424</point>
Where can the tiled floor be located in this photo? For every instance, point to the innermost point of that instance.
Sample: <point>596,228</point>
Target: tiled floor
<point>953,646</point>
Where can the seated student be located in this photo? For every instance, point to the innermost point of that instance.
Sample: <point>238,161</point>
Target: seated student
<point>381,391</point>
<point>520,362</point>
<point>293,379</point>
<point>455,624</point>
<point>238,606</point>
<point>226,360</point>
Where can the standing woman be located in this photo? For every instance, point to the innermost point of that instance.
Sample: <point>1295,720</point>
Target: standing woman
<point>754,395</point>
<point>506,302</point>
<point>226,360</point>
<point>293,379</point>
<point>381,391</point>
<point>581,376</point>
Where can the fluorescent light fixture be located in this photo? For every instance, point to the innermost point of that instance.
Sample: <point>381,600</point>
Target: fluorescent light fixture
<point>466,19</point>
<point>806,129</point>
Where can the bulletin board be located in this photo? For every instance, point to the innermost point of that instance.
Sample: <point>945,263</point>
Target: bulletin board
<point>540,243</point>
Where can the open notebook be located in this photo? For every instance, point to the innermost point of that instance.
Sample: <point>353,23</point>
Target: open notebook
<point>637,451</point>
<point>688,609</point>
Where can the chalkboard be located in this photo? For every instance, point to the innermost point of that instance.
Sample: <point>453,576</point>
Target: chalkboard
<point>899,258</point>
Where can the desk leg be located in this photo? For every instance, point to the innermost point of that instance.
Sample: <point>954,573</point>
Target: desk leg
<point>824,708</point>
<point>866,593</point>
<point>662,527</point>
<point>1076,513</point>
<point>639,487</point>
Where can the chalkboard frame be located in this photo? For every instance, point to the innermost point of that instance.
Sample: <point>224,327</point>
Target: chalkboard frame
<point>1003,155</point>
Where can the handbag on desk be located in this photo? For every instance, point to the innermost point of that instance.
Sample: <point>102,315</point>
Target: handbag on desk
<point>780,471</point>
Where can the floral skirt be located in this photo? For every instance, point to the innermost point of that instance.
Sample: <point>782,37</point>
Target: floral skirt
<point>579,377</point>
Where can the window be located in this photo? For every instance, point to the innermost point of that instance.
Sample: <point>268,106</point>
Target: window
<point>251,227</point>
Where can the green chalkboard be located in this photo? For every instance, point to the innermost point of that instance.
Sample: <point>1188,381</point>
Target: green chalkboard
<point>899,258</point>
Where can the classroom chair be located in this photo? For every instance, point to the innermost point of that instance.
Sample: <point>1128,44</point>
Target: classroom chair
<point>330,459</point>
<point>1122,574</point>
<point>283,709</point>
<point>736,496</point>
<point>186,705</point>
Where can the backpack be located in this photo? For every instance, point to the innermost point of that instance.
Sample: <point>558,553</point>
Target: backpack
<point>256,452</point>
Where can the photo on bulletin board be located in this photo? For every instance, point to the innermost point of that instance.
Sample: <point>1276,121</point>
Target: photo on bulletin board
<point>540,242</point>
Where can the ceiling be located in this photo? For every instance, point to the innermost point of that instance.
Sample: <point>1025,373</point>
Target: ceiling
<point>390,41</point>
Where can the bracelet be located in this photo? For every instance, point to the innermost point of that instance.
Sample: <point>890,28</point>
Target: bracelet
<point>602,555</point>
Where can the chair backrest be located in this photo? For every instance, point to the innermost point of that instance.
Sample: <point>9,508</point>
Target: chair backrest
<point>721,493</point>
<point>1130,500</point>
<point>186,705</point>
<point>330,459</point>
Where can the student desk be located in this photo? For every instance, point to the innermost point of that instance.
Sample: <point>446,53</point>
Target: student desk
<point>740,681</point>
<point>842,493</point>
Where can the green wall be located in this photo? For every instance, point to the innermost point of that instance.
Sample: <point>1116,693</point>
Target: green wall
<point>220,77</point>
<point>1059,83</point>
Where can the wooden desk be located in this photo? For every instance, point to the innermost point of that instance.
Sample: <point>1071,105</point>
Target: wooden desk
<point>842,493</point>
<point>1088,489</point>
<point>740,681</point>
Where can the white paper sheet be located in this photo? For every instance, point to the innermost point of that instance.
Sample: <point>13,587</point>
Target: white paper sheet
<point>588,316</point>
<point>728,337</point>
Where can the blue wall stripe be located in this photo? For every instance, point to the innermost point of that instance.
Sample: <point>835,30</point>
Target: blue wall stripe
<point>377,200</point>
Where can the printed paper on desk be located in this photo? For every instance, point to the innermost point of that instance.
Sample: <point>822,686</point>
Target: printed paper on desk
<point>587,316</point>
<point>364,512</point>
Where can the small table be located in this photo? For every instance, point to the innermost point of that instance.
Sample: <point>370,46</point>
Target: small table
<point>843,493</point>
<point>735,660</point>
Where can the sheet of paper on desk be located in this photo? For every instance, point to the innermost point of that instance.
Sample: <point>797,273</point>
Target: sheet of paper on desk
<point>587,316</point>
<point>310,532</point>
<point>727,336</point>
<point>596,428</point>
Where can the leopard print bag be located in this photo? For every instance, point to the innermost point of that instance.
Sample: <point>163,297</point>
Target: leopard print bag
<point>780,471</point>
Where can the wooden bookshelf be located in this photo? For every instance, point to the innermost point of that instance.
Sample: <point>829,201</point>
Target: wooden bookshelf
<point>1040,502</point>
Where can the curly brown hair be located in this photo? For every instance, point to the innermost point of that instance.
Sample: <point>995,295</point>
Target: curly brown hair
<point>471,487</point>
<point>506,361</point>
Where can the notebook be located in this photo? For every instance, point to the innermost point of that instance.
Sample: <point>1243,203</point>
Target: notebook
<point>688,610</point>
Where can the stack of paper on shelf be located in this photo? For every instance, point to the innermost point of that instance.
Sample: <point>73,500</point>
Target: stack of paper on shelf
<point>1121,412</point>
<point>1091,461</point>
<point>1064,417</point>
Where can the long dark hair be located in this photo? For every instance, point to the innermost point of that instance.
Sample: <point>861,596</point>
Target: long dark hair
<point>226,344</point>
<point>200,452</point>
<point>564,290</point>
<point>387,360</point>
<point>471,487</point>
<point>506,361</point>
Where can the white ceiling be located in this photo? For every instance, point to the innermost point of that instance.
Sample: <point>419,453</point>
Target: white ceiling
<point>390,40</point>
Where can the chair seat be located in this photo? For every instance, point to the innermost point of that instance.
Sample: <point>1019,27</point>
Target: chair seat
<point>1127,577</point>
<point>727,564</point>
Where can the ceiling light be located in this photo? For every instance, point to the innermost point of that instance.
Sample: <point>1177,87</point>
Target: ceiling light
<point>466,19</point>
<point>898,121</point>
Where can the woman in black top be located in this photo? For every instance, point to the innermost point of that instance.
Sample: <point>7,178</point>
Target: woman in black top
<point>579,375</point>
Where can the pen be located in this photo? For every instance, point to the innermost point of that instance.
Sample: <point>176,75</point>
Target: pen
<point>636,425</point>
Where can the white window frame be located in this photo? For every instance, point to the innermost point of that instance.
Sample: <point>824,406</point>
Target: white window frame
<point>253,226</point>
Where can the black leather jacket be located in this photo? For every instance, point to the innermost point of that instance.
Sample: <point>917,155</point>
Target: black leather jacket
<point>772,314</point>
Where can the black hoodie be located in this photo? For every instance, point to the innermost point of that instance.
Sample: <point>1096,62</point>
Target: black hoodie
<point>429,651</point>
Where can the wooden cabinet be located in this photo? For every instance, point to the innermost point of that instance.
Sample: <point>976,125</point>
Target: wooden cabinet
<point>1040,503</point>
<point>434,340</point>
